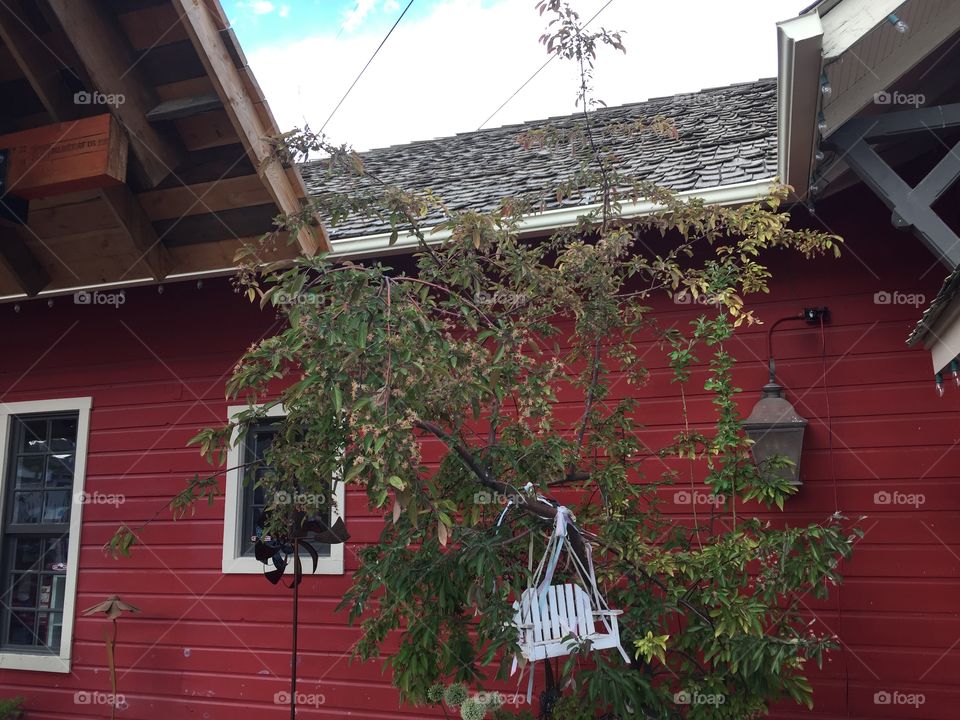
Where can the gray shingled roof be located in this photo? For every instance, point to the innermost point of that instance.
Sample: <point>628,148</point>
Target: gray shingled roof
<point>726,136</point>
<point>943,300</point>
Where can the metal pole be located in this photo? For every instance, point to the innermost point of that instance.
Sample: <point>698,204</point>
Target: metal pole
<point>293,663</point>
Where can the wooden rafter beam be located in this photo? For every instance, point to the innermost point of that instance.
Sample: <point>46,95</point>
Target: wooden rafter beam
<point>204,21</point>
<point>911,204</point>
<point>42,70</point>
<point>109,60</point>
<point>129,214</point>
<point>22,264</point>
<point>36,61</point>
<point>184,107</point>
<point>33,59</point>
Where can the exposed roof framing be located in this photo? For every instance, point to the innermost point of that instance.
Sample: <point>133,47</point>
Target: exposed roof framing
<point>912,206</point>
<point>204,20</point>
<point>197,184</point>
<point>106,54</point>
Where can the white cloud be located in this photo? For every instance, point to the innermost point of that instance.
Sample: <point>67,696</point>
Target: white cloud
<point>284,11</point>
<point>358,14</point>
<point>446,72</point>
<point>258,7</point>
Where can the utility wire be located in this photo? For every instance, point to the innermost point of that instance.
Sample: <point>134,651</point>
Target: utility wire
<point>538,71</point>
<point>357,79</point>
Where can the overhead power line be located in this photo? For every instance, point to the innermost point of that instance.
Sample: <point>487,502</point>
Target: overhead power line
<point>537,72</point>
<point>357,79</point>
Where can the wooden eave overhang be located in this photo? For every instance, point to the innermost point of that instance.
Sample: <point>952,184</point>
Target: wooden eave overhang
<point>186,177</point>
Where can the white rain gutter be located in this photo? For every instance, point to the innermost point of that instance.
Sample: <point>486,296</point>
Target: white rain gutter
<point>379,243</point>
<point>799,46</point>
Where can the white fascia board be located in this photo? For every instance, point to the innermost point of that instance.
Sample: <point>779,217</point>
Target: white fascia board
<point>850,20</point>
<point>121,285</point>
<point>379,244</point>
<point>799,45</point>
<point>913,49</point>
<point>943,340</point>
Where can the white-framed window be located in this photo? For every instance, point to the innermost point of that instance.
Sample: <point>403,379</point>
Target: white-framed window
<point>244,501</point>
<point>43,453</point>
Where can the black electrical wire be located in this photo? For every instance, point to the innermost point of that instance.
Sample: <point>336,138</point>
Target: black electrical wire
<point>357,79</point>
<point>538,71</point>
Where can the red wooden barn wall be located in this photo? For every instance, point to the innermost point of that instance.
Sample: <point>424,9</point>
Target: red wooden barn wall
<point>214,646</point>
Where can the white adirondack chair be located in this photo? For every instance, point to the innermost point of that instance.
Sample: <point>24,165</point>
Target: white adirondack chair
<point>553,620</point>
<point>556,623</point>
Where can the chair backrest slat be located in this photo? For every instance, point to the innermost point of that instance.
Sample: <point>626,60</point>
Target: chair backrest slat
<point>555,614</point>
<point>566,609</point>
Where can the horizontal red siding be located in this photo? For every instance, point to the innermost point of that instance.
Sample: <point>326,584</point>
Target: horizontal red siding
<point>216,647</point>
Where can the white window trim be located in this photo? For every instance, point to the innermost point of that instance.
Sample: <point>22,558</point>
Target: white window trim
<point>234,562</point>
<point>34,661</point>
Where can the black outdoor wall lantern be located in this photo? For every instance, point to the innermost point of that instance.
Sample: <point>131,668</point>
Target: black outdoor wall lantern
<point>774,425</point>
<point>776,429</point>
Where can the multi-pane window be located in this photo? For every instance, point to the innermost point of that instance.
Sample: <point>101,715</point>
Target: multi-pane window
<point>258,441</point>
<point>246,501</point>
<point>38,488</point>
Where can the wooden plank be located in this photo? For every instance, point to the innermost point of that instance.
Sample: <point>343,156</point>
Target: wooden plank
<point>85,214</point>
<point>105,52</point>
<point>34,60</point>
<point>209,130</point>
<point>66,157</point>
<point>207,197</point>
<point>210,227</point>
<point>129,214</point>
<point>212,164</point>
<point>202,25</point>
<point>20,262</point>
<point>165,64</point>
<point>19,100</point>
<point>194,258</point>
<point>185,88</point>
<point>183,108</point>
<point>90,258</point>
<point>152,26</point>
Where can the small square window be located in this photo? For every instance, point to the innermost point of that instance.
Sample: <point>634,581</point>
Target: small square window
<point>245,501</point>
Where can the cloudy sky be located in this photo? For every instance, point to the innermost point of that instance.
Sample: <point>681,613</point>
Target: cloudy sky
<point>451,63</point>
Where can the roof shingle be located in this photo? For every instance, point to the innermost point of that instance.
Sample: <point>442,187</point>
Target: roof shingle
<point>725,136</point>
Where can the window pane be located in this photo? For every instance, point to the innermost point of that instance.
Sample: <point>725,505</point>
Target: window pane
<point>60,470</point>
<point>46,591</point>
<point>26,554</point>
<point>32,434</point>
<point>30,471</point>
<point>56,628</point>
<point>55,554</point>
<point>27,507</point>
<point>56,507</point>
<point>22,626</point>
<point>63,435</point>
<point>24,593</point>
